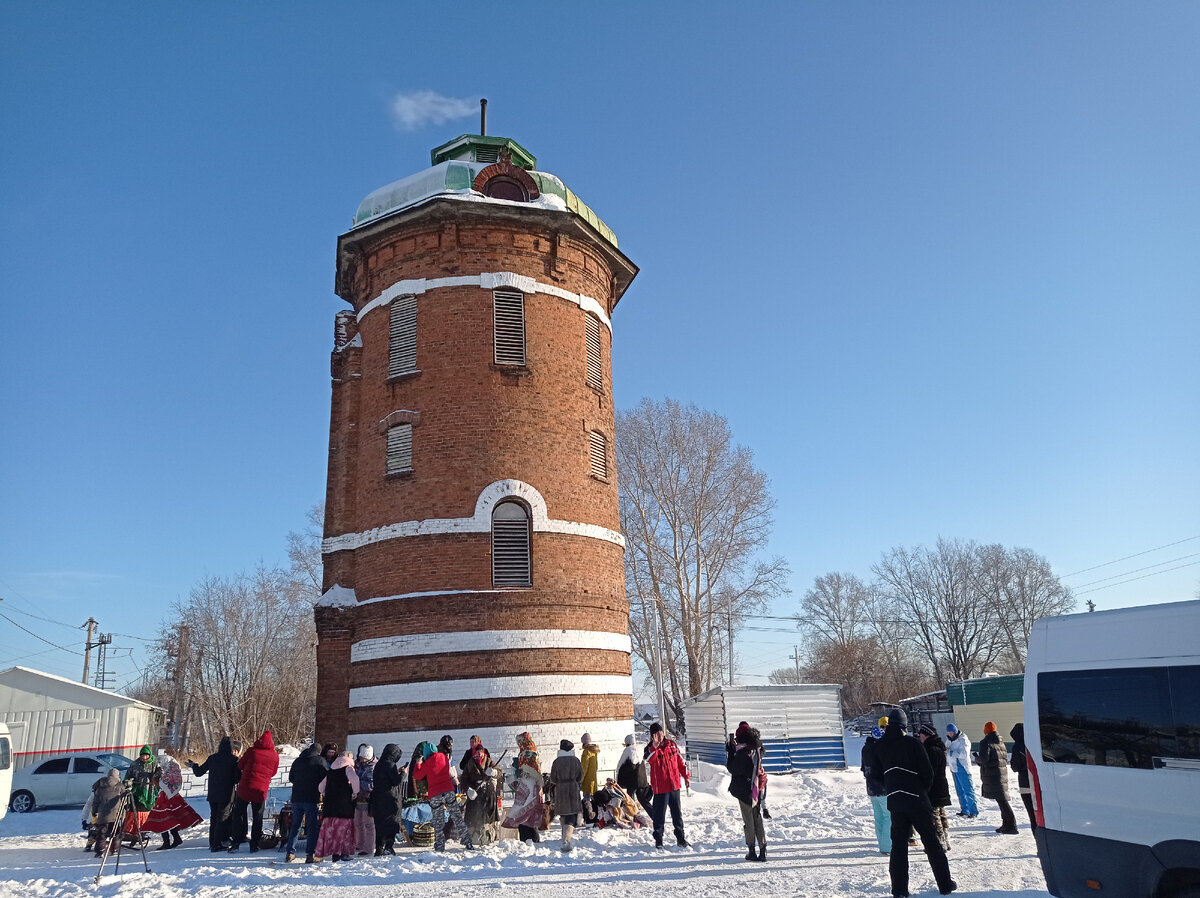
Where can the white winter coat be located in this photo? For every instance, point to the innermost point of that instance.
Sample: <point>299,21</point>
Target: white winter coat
<point>631,753</point>
<point>958,753</point>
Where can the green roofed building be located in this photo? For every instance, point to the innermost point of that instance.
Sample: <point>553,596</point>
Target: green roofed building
<point>998,699</point>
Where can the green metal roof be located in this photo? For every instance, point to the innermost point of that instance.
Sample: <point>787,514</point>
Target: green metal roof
<point>987,690</point>
<point>455,165</point>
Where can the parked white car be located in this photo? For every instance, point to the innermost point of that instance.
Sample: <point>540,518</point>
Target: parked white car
<point>63,780</point>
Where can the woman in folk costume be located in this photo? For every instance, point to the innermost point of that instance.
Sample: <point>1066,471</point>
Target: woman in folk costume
<point>479,778</point>
<point>170,813</point>
<point>527,809</point>
<point>143,776</point>
<point>364,823</point>
<point>337,811</point>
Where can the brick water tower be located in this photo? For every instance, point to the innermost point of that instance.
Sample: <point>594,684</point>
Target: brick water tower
<point>474,577</point>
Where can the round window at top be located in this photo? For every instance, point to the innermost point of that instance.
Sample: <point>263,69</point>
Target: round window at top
<point>503,187</point>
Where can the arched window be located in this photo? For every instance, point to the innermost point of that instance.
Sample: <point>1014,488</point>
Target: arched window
<point>510,545</point>
<point>505,188</point>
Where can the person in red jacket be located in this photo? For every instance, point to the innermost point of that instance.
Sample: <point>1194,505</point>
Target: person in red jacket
<point>257,765</point>
<point>434,768</point>
<point>666,769</point>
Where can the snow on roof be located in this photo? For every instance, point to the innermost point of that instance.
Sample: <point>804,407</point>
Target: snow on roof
<point>338,596</point>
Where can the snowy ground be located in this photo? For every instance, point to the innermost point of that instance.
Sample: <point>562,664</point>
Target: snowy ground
<point>820,843</point>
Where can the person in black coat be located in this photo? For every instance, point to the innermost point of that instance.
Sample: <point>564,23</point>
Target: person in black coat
<point>907,779</point>
<point>939,792</point>
<point>305,775</point>
<point>992,758</point>
<point>223,774</point>
<point>387,799</point>
<point>1019,761</point>
<point>743,757</point>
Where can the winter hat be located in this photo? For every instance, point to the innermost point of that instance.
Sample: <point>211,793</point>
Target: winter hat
<point>585,739</point>
<point>629,739</point>
<point>743,731</point>
<point>877,732</point>
<point>567,745</point>
<point>329,748</point>
<point>366,752</point>
<point>898,717</point>
<point>989,727</point>
<point>927,730</point>
<point>655,728</point>
<point>882,721</point>
<point>951,729</point>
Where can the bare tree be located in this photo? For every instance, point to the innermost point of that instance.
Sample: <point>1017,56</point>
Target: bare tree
<point>304,553</point>
<point>785,676</point>
<point>937,595</point>
<point>696,514</point>
<point>1024,588</point>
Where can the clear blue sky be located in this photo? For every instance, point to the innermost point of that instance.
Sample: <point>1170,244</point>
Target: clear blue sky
<point>938,264</point>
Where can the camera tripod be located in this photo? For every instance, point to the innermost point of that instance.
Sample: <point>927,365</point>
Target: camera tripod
<point>125,807</point>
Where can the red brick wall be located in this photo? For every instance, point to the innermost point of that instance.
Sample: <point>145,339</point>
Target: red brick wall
<point>479,423</point>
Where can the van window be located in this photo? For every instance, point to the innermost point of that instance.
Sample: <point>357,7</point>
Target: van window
<point>5,753</point>
<point>1185,699</point>
<point>1124,717</point>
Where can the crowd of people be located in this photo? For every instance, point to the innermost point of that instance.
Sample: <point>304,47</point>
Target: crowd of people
<point>353,804</point>
<point>909,792</point>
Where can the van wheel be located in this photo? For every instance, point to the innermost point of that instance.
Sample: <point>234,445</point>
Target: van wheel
<point>22,802</point>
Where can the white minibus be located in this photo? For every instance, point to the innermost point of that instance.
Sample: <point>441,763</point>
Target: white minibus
<point>1112,724</point>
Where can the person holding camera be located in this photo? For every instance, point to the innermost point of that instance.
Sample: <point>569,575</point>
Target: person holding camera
<point>743,758</point>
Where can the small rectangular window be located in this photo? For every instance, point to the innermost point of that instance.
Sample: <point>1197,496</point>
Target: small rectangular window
<point>595,366</point>
<point>402,336</point>
<point>598,448</point>
<point>399,448</point>
<point>508,320</point>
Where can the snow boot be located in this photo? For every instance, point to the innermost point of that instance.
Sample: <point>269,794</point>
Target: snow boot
<point>567,831</point>
<point>289,858</point>
<point>312,859</point>
<point>947,891</point>
<point>176,841</point>
<point>750,855</point>
<point>762,852</point>
<point>166,842</point>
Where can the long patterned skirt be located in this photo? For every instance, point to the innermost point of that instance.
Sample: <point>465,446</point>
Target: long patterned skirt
<point>337,837</point>
<point>170,813</point>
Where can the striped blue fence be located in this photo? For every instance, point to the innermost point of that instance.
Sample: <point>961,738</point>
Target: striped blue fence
<point>782,755</point>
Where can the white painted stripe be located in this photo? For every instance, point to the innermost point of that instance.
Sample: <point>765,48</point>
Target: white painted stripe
<point>608,734</point>
<point>487,281</point>
<point>483,688</point>
<point>486,641</point>
<point>480,522</point>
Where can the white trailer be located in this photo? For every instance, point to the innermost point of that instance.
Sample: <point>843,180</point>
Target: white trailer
<point>50,715</point>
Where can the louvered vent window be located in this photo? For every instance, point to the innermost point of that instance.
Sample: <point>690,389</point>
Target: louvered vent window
<point>598,449</point>
<point>508,321</point>
<point>402,336</point>
<point>510,545</point>
<point>399,448</point>
<point>595,367</point>
<point>487,153</point>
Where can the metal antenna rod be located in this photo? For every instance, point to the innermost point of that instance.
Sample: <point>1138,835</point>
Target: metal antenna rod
<point>483,117</point>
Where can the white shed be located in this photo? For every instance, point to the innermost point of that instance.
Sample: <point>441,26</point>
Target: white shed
<point>49,715</point>
<point>801,726</point>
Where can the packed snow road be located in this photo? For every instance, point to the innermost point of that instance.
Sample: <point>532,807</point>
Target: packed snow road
<point>820,843</point>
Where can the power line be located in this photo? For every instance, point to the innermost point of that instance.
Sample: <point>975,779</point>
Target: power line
<point>1143,577</point>
<point>35,636</point>
<point>1127,557</point>
<point>48,620</point>
<point>1137,570</point>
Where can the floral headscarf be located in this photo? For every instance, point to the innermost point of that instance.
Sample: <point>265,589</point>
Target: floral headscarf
<point>529,755</point>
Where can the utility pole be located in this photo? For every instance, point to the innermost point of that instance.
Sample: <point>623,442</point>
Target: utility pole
<point>796,658</point>
<point>731,643</point>
<point>88,645</point>
<point>180,673</point>
<point>102,674</point>
<point>662,701</point>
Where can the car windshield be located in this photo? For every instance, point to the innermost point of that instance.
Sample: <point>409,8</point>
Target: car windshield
<point>113,760</point>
